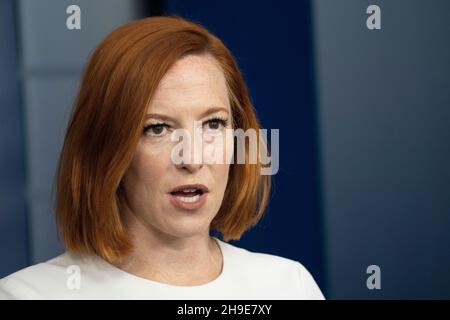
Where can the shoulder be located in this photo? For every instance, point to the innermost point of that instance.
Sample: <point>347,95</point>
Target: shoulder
<point>35,281</point>
<point>273,271</point>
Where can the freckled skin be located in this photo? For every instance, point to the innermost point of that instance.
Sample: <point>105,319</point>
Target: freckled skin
<point>191,86</point>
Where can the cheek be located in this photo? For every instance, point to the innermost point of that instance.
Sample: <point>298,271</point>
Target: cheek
<point>148,165</point>
<point>221,174</point>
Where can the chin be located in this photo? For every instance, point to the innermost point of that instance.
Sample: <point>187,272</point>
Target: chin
<point>189,228</point>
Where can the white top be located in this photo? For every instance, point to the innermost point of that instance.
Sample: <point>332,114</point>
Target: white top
<point>245,275</point>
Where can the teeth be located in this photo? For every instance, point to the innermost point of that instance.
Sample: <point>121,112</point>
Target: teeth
<point>189,190</point>
<point>189,199</point>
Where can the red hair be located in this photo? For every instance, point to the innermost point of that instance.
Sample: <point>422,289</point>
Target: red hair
<point>106,125</point>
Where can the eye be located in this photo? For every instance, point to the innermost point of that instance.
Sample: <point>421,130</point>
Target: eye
<point>156,130</point>
<point>216,123</point>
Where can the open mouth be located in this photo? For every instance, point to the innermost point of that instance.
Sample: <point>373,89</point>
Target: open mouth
<point>188,195</point>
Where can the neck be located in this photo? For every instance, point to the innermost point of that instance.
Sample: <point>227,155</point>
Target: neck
<point>183,261</point>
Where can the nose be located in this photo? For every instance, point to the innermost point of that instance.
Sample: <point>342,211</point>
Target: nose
<point>194,146</point>
<point>190,167</point>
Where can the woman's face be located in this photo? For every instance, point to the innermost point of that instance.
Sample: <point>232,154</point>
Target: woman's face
<point>194,89</point>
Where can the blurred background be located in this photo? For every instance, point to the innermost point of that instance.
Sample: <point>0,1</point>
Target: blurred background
<point>364,119</point>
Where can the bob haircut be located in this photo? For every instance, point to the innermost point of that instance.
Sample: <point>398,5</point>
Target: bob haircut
<point>107,121</point>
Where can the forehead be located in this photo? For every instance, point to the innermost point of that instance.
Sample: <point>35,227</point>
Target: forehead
<point>193,82</point>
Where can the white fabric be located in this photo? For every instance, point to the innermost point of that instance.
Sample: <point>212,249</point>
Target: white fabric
<point>245,275</point>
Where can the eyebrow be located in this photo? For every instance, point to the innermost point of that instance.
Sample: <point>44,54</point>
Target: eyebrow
<point>204,114</point>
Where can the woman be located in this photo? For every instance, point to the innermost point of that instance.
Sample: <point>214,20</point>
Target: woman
<point>135,222</point>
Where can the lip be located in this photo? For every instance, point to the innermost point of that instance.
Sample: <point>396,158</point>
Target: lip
<point>201,187</point>
<point>188,205</point>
